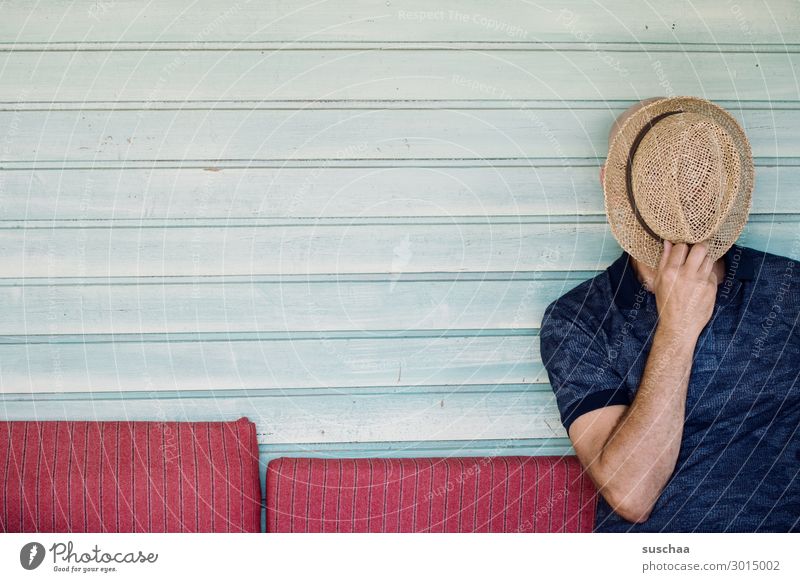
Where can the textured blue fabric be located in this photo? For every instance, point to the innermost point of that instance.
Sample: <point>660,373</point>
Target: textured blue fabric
<point>739,464</point>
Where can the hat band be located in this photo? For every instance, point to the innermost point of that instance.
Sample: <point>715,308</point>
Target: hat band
<point>629,170</point>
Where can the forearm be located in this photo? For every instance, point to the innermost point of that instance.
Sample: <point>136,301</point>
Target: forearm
<point>639,456</point>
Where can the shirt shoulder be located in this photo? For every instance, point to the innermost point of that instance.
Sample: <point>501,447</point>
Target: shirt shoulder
<point>774,277</point>
<point>587,304</point>
<point>574,350</point>
<point>766,263</point>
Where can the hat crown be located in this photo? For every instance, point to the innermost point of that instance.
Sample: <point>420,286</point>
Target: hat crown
<point>686,174</point>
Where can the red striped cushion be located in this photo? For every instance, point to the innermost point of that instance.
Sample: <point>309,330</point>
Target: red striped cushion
<point>129,477</point>
<point>490,494</point>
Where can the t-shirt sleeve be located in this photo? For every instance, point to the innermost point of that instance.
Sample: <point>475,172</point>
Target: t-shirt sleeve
<point>578,366</point>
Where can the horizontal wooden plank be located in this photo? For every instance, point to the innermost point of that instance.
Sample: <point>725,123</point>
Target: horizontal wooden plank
<point>251,250</point>
<point>271,307</point>
<point>360,104</point>
<point>207,21</point>
<point>227,364</point>
<point>465,448</point>
<point>451,46</point>
<point>283,419</point>
<point>305,192</point>
<point>92,136</point>
<point>392,248</point>
<point>280,193</point>
<point>551,73</point>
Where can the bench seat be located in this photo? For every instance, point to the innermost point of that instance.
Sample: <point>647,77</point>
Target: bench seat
<point>469,494</point>
<point>60,476</point>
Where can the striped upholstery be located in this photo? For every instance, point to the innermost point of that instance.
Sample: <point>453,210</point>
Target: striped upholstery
<point>129,477</point>
<point>490,494</point>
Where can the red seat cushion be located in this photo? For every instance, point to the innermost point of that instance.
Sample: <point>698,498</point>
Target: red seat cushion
<point>129,477</point>
<point>489,494</point>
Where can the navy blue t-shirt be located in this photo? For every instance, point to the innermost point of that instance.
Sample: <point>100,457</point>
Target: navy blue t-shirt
<point>739,463</point>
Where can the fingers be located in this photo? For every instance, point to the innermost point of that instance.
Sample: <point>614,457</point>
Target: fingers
<point>677,255</point>
<point>697,256</point>
<point>707,265</point>
<point>665,255</point>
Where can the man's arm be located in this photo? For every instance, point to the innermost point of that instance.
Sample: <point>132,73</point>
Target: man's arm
<point>631,451</point>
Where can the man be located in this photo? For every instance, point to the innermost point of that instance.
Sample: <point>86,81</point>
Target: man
<point>676,370</point>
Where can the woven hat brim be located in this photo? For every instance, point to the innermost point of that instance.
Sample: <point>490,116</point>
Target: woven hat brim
<point>625,227</point>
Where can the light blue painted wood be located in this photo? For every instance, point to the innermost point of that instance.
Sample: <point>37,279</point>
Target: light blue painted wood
<point>226,361</point>
<point>82,139</point>
<point>308,417</point>
<point>244,21</point>
<point>540,72</point>
<point>333,305</point>
<point>343,221</point>
<point>364,192</point>
<point>480,245</point>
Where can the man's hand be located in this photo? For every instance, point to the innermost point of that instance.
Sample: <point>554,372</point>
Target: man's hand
<point>685,288</point>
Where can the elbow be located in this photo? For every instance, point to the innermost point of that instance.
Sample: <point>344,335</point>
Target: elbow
<point>629,506</point>
<point>634,513</point>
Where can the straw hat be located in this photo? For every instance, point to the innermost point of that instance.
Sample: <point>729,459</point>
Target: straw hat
<point>679,169</point>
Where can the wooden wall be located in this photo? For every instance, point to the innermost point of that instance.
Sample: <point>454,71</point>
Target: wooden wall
<point>340,219</point>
